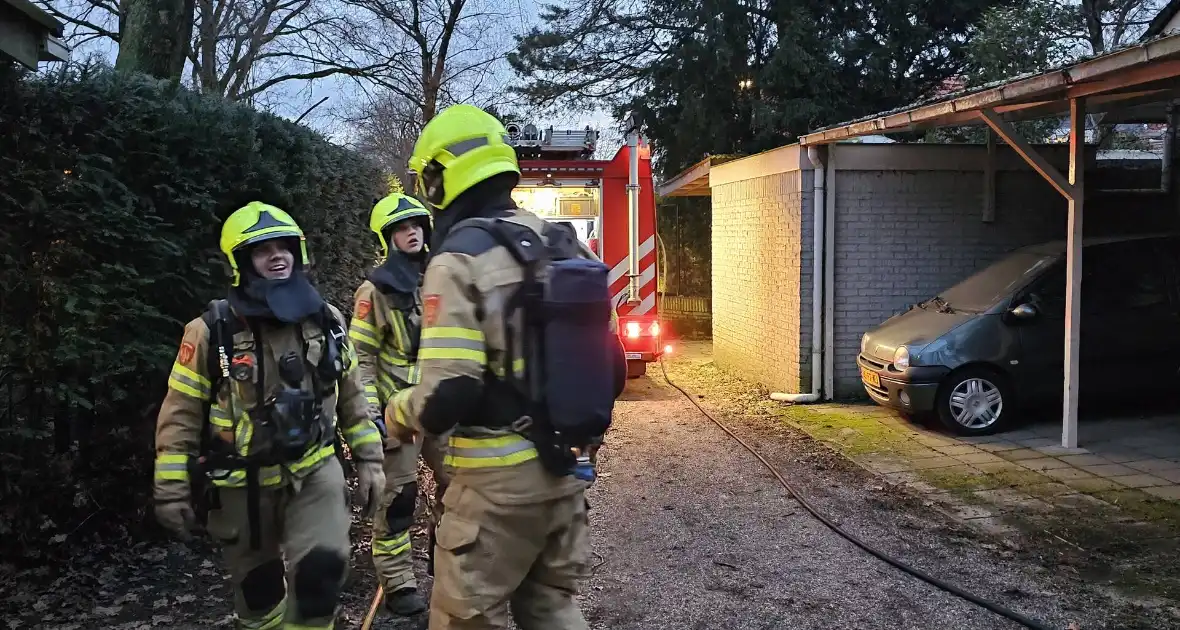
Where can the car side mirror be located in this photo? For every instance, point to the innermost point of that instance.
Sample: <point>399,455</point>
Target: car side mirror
<point>1024,312</point>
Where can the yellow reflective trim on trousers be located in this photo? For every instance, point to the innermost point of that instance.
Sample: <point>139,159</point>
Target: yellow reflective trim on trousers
<point>172,466</point>
<point>453,354</point>
<point>500,451</point>
<point>392,546</point>
<point>269,621</point>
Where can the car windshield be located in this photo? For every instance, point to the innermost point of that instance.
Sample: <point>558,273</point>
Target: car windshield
<point>986,287</point>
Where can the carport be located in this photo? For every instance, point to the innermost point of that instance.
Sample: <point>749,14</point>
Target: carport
<point>1135,84</point>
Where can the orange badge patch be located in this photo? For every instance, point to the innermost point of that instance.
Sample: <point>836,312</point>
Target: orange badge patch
<point>363,308</point>
<point>187,350</point>
<point>430,309</point>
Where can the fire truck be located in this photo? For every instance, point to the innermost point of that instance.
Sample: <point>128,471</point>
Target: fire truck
<point>610,205</point>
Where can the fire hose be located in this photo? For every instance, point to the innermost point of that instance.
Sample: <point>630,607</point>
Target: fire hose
<point>918,573</point>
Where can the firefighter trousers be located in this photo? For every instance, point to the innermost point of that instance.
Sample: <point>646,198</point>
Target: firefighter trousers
<point>392,550</point>
<point>305,521</point>
<point>495,561</point>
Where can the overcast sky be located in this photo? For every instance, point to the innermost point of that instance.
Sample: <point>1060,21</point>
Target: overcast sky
<point>292,99</point>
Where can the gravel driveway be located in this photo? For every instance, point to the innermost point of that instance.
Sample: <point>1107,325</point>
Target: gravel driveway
<point>691,532</point>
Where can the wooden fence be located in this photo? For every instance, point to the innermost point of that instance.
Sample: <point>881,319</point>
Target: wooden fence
<point>687,306</point>
<point>691,316</point>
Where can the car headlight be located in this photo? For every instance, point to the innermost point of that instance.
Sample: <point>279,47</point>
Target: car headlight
<point>901,358</point>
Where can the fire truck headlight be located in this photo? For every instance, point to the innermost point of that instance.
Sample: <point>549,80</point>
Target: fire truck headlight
<point>633,330</point>
<point>655,329</point>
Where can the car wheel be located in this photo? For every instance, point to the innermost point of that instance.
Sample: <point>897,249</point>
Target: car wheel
<point>635,369</point>
<point>975,401</point>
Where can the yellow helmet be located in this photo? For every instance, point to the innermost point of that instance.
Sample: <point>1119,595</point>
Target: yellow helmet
<point>253,223</point>
<point>392,209</point>
<point>460,147</point>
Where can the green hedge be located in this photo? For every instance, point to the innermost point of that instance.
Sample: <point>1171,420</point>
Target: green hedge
<point>112,192</point>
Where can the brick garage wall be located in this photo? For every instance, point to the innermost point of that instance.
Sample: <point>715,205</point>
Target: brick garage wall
<point>903,236</point>
<point>757,285</point>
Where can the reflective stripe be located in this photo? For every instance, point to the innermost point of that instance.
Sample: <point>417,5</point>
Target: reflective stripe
<point>172,466</point>
<point>452,343</point>
<point>363,339</point>
<point>451,332</point>
<point>386,385</point>
<point>507,450</point>
<point>517,368</point>
<point>415,375</point>
<point>267,476</point>
<point>392,546</point>
<point>315,458</point>
<point>390,359</point>
<point>220,418</point>
<point>189,382</point>
<point>398,403</point>
<point>269,621</point>
<point>453,354</point>
<point>361,434</point>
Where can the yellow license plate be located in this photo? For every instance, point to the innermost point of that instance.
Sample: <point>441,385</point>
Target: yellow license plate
<point>870,377</point>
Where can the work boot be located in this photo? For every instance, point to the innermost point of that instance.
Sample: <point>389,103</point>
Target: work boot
<point>405,602</point>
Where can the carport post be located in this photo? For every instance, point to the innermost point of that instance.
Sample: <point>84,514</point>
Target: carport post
<point>1072,190</point>
<point>1073,273</point>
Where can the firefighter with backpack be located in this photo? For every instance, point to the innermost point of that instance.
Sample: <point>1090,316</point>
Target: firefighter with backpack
<point>517,360</point>
<point>386,319</point>
<point>260,385</point>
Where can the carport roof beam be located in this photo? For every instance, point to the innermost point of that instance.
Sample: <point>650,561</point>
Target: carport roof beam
<point>1030,155</point>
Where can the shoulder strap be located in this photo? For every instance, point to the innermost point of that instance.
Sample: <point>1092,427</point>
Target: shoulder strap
<point>217,318</point>
<point>221,342</point>
<point>507,234</point>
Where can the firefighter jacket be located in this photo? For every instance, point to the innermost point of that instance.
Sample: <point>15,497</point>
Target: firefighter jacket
<point>468,283</point>
<point>189,397</point>
<point>384,330</point>
<point>386,339</point>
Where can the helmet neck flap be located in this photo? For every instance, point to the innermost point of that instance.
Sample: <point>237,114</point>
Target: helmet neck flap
<point>290,300</point>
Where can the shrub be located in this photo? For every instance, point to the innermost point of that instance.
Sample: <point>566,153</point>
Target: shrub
<point>112,192</point>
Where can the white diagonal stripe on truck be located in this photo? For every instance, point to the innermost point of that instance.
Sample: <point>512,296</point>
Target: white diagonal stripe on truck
<point>620,270</point>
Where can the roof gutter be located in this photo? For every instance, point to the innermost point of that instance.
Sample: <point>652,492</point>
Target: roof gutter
<point>1022,89</point>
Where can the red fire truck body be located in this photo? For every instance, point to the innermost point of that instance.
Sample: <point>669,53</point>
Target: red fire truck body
<point>560,183</point>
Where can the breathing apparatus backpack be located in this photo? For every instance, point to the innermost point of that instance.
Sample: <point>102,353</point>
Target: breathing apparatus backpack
<point>286,424</point>
<point>566,392</point>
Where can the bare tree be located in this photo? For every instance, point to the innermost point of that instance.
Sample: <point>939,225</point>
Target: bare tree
<point>440,51</point>
<point>385,129</point>
<point>1109,24</point>
<point>243,48</point>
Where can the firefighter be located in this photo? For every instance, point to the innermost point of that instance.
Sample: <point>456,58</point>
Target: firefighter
<point>254,398</point>
<point>387,315</point>
<point>513,530</point>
